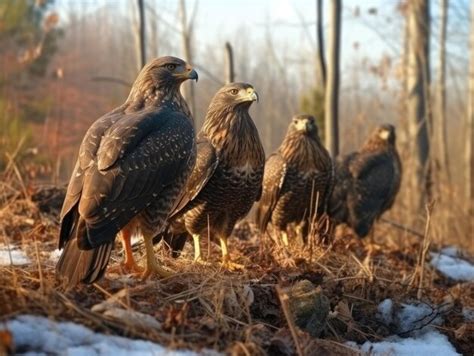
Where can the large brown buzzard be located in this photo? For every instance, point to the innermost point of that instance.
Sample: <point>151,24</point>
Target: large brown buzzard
<point>367,182</point>
<point>133,163</point>
<point>299,174</point>
<point>227,178</point>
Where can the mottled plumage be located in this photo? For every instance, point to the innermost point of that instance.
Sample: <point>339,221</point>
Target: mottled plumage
<point>299,174</point>
<point>227,177</point>
<point>133,163</point>
<point>367,182</point>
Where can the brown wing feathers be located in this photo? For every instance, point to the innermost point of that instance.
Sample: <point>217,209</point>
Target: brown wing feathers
<point>300,168</point>
<point>126,159</point>
<point>367,182</point>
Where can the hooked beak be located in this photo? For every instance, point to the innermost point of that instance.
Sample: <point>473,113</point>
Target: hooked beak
<point>193,75</point>
<point>252,95</point>
<point>189,73</point>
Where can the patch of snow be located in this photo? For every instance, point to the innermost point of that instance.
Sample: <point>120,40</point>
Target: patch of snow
<point>10,255</point>
<point>416,320</point>
<point>468,314</point>
<point>451,251</point>
<point>37,335</point>
<point>54,255</point>
<point>417,316</point>
<point>453,267</point>
<point>407,317</point>
<point>385,311</point>
<point>431,343</point>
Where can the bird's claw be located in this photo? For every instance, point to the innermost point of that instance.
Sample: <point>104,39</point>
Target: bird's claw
<point>231,266</point>
<point>156,271</point>
<point>126,267</point>
<point>202,262</point>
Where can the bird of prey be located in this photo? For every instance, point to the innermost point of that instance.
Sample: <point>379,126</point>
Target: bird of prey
<point>367,182</point>
<point>298,180</point>
<point>227,177</point>
<point>133,163</point>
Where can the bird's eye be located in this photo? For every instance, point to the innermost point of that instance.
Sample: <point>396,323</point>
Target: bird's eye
<point>171,66</point>
<point>234,91</point>
<point>295,121</point>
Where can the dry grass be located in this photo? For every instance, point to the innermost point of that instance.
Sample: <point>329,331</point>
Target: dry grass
<point>239,312</point>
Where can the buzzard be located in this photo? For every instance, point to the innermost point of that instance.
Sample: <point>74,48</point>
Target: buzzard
<point>299,174</point>
<point>367,182</point>
<point>133,163</point>
<point>227,177</point>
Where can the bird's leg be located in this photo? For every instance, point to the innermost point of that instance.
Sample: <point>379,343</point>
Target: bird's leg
<point>152,266</point>
<point>300,232</point>
<point>284,238</point>
<point>288,260</point>
<point>372,236</point>
<point>197,248</point>
<point>129,264</point>
<point>226,262</point>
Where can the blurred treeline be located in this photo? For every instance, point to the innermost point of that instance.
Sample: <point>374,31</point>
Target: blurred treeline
<point>65,63</point>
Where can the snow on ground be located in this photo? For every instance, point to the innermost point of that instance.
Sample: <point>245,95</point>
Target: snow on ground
<point>423,340</point>
<point>407,317</point>
<point>451,251</point>
<point>36,335</point>
<point>385,310</point>
<point>10,255</point>
<point>448,262</point>
<point>431,343</point>
<point>54,255</point>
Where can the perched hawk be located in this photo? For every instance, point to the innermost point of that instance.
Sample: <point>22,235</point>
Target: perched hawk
<point>227,177</point>
<point>297,176</point>
<point>367,182</point>
<point>133,163</point>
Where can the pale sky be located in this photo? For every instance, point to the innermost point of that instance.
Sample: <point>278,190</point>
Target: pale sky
<point>219,20</point>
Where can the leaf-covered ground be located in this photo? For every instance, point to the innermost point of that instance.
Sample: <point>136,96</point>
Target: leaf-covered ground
<point>308,300</point>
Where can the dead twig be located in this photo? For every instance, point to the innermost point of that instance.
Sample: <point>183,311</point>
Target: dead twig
<point>402,227</point>
<point>289,319</point>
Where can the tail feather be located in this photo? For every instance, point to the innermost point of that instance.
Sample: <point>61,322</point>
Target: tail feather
<point>87,266</point>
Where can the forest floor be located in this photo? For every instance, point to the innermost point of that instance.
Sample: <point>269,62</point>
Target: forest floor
<point>349,297</point>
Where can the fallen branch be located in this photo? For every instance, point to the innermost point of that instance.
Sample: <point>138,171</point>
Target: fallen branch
<point>289,318</point>
<point>402,227</point>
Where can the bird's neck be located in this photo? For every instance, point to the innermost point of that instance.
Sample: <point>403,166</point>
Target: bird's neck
<point>304,152</point>
<point>375,145</point>
<point>234,135</point>
<point>155,97</point>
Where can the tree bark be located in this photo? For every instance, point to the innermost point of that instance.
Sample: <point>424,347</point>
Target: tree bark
<point>229,63</point>
<point>186,33</point>
<point>142,33</point>
<point>469,157</point>
<point>332,84</point>
<point>320,38</point>
<point>418,91</point>
<point>440,129</point>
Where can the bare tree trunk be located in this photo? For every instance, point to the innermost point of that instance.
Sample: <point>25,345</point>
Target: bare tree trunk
<point>418,90</point>
<point>469,156</point>
<point>186,33</point>
<point>440,128</point>
<point>320,38</point>
<point>229,63</point>
<point>142,26</point>
<point>331,106</point>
